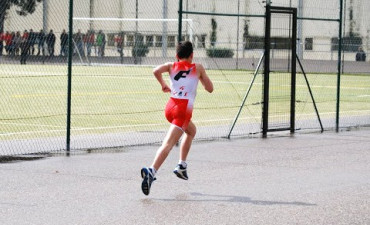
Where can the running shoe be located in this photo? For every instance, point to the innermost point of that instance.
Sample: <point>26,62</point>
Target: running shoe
<point>148,178</point>
<point>180,172</point>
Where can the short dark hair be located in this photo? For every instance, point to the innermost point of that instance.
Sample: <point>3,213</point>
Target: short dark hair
<point>184,49</point>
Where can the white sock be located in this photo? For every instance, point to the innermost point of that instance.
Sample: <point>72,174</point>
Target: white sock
<point>153,171</point>
<point>183,163</point>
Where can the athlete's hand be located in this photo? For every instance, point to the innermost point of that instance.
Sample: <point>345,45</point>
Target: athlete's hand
<point>165,88</point>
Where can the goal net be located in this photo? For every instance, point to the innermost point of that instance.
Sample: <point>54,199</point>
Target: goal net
<point>104,41</point>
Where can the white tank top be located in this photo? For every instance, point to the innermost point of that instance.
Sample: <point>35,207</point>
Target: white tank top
<point>184,81</point>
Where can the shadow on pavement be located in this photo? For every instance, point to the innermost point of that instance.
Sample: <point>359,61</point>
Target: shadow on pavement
<point>231,198</point>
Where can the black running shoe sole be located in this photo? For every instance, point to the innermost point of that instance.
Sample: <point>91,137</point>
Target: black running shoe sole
<point>145,186</point>
<point>179,175</point>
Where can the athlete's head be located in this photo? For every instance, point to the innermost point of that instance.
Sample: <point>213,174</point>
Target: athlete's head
<point>184,49</point>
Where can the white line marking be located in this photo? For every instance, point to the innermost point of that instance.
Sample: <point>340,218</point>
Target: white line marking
<point>30,124</point>
<point>161,124</point>
<point>131,77</point>
<point>79,129</point>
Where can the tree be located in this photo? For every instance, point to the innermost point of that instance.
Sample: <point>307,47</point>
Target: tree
<point>25,7</point>
<point>213,37</point>
<point>245,33</point>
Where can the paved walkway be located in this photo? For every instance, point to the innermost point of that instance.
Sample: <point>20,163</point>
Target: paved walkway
<point>304,179</point>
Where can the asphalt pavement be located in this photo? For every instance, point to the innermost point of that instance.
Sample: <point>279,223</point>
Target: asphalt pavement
<point>317,178</point>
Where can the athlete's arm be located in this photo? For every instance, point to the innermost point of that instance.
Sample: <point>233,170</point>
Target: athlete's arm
<point>158,75</point>
<point>204,79</point>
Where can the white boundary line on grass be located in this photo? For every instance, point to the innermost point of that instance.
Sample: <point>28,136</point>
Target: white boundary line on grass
<point>30,124</point>
<point>78,129</point>
<point>131,77</point>
<point>154,124</point>
<point>11,72</point>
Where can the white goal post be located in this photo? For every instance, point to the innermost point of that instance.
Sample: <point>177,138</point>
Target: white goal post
<point>164,21</point>
<point>160,34</point>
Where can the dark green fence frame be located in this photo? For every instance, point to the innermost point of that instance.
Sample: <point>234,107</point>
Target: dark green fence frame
<point>268,3</point>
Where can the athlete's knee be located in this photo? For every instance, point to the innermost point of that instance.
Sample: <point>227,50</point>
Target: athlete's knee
<point>191,131</point>
<point>194,132</point>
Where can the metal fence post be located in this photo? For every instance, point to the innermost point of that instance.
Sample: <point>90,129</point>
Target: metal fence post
<point>180,22</point>
<point>69,89</point>
<point>339,64</point>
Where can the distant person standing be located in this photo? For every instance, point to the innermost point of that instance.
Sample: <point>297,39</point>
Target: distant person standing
<point>100,42</point>
<point>8,42</point>
<point>25,47</point>
<point>26,39</point>
<point>63,43</point>
<point>50,42</point>
<point>41,42</point>
<point>32,41</point>
<point>17,42</point>
<point>119,43</point>
<point>90,40</point>
<point>78,41</point>
<point>360,55</point>
<point>12,44</point>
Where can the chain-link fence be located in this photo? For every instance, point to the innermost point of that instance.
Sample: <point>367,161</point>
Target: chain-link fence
<point>116,101</point>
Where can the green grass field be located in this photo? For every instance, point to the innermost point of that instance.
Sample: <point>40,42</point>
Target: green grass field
<point>125,99</point>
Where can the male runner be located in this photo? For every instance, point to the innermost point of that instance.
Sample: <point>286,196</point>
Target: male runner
<point>184,77</point>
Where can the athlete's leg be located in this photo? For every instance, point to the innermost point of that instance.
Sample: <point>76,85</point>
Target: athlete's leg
<point>173,135</point>
<point>187,140</point>
<point>180,169</point>
<point>148,174</point>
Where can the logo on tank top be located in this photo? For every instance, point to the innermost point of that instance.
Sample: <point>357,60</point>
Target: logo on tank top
<point>181,73</point>
<point>181,92</point>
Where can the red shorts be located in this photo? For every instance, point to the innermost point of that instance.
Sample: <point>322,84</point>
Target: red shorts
<point>178,112</point>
